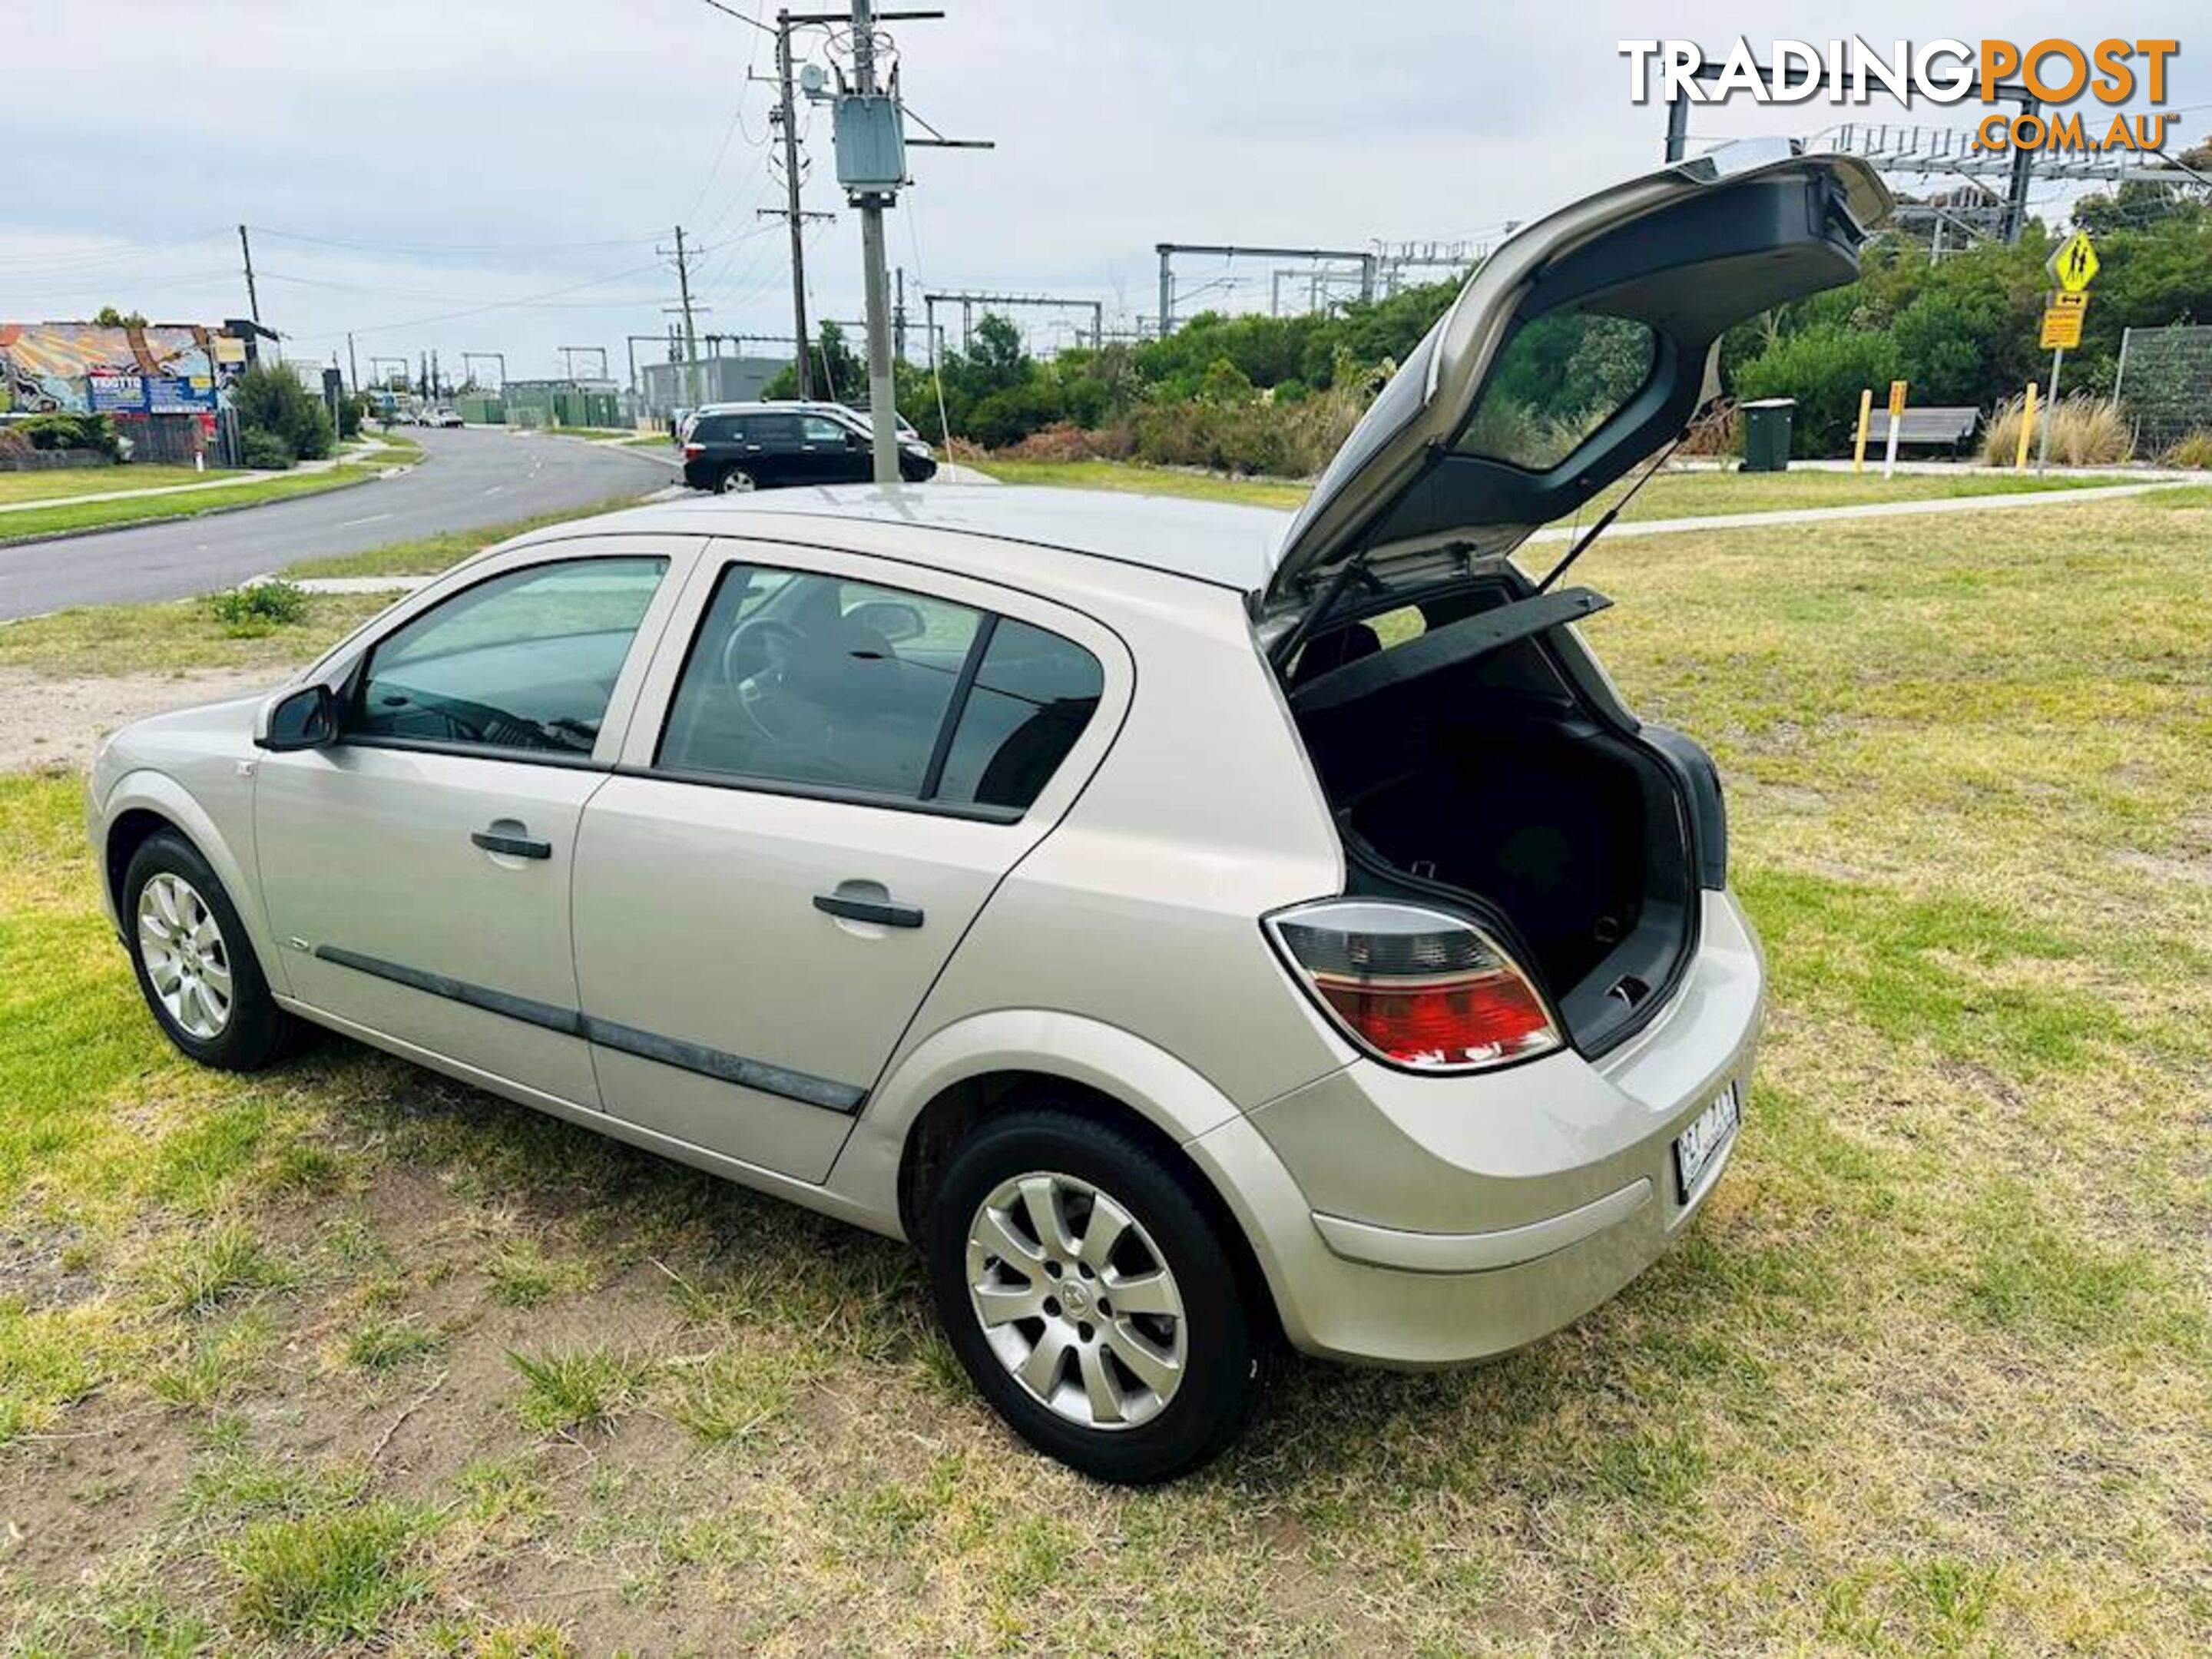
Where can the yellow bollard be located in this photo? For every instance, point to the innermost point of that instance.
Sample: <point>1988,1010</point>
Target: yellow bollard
<point>1866,415</point>
<point>2026,429</point>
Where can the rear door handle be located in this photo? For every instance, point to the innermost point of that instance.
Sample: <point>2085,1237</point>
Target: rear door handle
<point>515,845</point>
<point>885,913</point>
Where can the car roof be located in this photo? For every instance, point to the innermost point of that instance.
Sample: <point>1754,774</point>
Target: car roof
<point>1214,542</point>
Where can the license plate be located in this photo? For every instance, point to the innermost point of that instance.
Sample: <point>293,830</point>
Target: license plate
<point>1696,1147</point>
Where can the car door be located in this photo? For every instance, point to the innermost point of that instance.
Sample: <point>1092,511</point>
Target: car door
<point>833,451</point>
<point>417,870</point>
<point>851,756</point>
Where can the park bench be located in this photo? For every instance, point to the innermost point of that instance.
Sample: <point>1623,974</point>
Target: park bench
<point>1940,424</point>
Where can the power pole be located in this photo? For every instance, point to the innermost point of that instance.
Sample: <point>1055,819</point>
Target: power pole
<point>352,368</point>
<point>252,299</point>
<point>792,218</point>
<point>690,331</point>
<point>882,421</point>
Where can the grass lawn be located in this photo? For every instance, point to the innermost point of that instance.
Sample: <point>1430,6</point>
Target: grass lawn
<point>1670,495</point>
<point>94,515</point>
<point>349,1357</point>
<point>97,480</point>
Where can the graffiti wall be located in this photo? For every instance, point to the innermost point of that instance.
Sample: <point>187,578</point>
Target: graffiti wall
<point>81,369</point>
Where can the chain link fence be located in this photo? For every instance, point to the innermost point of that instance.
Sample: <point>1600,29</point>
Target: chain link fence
<point>2164,383</point>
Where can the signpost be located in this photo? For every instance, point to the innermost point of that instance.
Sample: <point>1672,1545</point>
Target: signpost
<point>1896,419</point>
<point>2073,267</point>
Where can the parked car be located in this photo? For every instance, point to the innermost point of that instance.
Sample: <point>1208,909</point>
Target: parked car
<point>772,445</point>
<point>1191,927</point>
<point>442,417</point>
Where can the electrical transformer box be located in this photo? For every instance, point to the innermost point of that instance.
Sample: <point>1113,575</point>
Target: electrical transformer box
<point>871,143</point>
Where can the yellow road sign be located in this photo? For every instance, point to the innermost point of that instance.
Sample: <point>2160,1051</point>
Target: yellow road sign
<point>1896,399</point>
<point>2062,301</point>
<point>2062,328</point>
<point>2075,266</point>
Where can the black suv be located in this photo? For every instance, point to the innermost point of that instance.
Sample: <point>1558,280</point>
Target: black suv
<point>767,448</point>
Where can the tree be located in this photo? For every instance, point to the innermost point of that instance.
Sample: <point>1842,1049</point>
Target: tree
<point>109,317</point>
<point>292,420</point>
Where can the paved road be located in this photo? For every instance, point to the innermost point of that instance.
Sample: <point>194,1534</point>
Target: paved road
<point>469,478</point>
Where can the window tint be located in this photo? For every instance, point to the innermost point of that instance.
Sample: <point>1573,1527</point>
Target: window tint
<point>1033,696</point>
<point>812,680</point>
<point>1559,379</point>
<point>527,661</point>
<point>720,430</point>
<point>821,430</point>
<point>781,430</point>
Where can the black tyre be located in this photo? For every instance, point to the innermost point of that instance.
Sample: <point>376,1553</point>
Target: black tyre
<point>196,968</point>
<point>733,481</point>
<point>1093,1297</point>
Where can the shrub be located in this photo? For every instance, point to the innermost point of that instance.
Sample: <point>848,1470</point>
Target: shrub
<point>263,451</point>
<point>65,431</point>
<point>1718,431</point>
<point>1063,442</point>
<point>269,398</point>
<point>2189,449</point>
<point>1279,439</point>
<point>259,608</point>
<point>2084,431</point>
<point>1825,368</point>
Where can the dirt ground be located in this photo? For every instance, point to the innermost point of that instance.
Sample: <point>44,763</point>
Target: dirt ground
<point>48,720</point>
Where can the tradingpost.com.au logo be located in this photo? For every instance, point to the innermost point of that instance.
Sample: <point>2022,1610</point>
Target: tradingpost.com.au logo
<point>2054,72</point>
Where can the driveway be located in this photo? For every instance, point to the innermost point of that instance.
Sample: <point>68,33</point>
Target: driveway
<point>470,478</point>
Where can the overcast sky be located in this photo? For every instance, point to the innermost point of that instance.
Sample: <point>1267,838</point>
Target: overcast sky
<point>404,160</point>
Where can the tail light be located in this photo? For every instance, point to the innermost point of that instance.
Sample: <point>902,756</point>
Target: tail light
<point>1419,987</point>
<point>691,449</point>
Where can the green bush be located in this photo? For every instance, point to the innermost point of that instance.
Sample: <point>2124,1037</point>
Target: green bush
<point>259,608</point>
<point>65,431</point>
<point>264,450</point>
<point>269,399</point>
<point>1824,368</point>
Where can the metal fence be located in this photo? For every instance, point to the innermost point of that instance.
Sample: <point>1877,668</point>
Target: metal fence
<point>2164,383</point>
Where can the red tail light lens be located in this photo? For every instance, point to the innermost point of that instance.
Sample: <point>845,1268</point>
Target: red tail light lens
<point>1419,987</point>
<point>689,450</point>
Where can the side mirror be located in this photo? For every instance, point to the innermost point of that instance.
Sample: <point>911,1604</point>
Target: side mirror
<point>896,622</point>
<point>306,719</point>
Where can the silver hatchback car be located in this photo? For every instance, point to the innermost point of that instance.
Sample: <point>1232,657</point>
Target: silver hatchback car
<point>1192,927</point>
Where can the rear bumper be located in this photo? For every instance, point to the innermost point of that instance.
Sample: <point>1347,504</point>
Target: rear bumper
<point>1425,1221</point>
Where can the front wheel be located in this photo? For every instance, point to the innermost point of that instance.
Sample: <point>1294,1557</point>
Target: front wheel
<point>195,965</point>
<point>1092,1297</point>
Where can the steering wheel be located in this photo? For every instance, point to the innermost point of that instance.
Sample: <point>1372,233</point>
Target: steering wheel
<point>769,637</point>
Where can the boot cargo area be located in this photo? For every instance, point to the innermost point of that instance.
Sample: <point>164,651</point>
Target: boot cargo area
<point>1505,784</point>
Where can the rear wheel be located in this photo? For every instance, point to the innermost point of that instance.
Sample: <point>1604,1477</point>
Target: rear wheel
<point>1092,1297</point>
<point>733,481</point>
<point>195,967</point>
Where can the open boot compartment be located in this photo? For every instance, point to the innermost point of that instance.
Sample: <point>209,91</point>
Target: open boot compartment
<point>1506,784</point>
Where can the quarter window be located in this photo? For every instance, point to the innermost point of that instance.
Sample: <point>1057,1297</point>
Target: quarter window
<point>525,662</point>
<point>820,682</point>
<point>1034,694</point>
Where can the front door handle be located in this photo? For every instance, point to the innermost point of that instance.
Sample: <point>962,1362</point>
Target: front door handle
<point>884,912</point>
<point>512,839</point>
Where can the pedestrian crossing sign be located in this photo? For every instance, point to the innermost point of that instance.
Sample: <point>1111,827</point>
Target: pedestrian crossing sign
<point>2075,266</point>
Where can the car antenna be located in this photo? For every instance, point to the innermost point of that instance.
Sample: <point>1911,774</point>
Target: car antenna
<point>1611,513</point>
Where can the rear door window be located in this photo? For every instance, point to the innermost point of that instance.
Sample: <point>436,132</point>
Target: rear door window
<point>1034,693</point>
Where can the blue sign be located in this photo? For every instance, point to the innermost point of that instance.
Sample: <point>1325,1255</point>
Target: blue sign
<point>151,394</point>
<point>116,394</point>
<point>180,394</point>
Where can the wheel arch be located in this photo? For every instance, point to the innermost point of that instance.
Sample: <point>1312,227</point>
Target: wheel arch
<point>991,1063</point>
<point>143,805</point>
